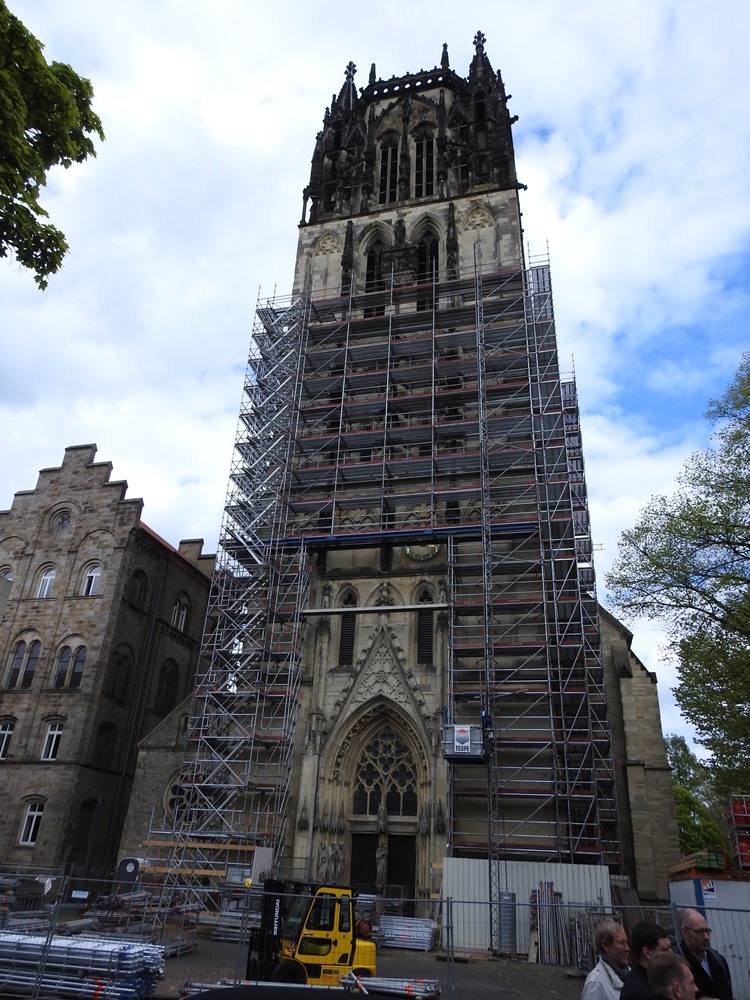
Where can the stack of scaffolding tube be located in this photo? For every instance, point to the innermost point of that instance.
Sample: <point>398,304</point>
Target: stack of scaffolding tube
<point>406,932</point>
<point>78,967</point>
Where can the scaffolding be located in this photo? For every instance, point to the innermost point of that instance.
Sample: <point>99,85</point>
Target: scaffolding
<point>411,414</point>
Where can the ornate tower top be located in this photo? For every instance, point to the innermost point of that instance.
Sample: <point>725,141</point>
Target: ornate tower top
<point>430,135</point>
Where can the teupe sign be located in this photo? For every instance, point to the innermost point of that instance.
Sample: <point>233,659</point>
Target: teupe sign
<point>462,739</point>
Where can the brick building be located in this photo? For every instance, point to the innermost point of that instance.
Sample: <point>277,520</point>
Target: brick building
<point>99,641</point>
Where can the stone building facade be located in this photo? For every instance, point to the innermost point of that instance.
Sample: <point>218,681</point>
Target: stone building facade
<point>99,641</point>
<point>408,659</point>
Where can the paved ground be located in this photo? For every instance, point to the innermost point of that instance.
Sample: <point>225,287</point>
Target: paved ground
<point>478,979</point>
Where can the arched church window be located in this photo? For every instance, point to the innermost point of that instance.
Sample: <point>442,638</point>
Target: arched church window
<point>427,266</point>
<point>424,167</point>
<point>348,629</point>
<point>374,281</point>
<point>425,629</point>
<point>385,771</point>
<point>480,107</point>
<point>388,171</point>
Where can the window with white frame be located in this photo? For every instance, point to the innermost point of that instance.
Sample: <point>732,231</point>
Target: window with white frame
<point>31,823</point>
<point>6,734</point>
<point>92,580</point>
<point>52,740</point>
<point>46,583</point>
<point>180,613</point>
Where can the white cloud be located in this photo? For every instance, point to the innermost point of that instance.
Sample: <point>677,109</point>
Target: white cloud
<point>633,138</point>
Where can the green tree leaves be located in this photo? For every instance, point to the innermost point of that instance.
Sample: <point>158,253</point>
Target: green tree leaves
<point>45,120</point>
<point>686,563</point>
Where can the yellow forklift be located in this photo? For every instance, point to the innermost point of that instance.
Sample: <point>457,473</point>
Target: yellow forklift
<point>320,940</point>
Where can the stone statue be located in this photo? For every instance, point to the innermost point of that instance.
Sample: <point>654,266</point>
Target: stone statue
<point>322,863</point>
<point>381,864</point>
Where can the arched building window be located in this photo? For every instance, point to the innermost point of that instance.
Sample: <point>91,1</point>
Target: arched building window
<point>348,631</point>
<point>388,171</point>
<point>7,725</point>
<point>428,264</point>
<point>92,580</point>
<point>46,583</point>
<point>118,675</point>
<point>425,629</point>
<point>385,772</point>
<point>424,167</point>
<point>69,669</point>
<point>168,687</point>
<point>136,590</point>
<point>23,663</point>
<point>180,613</point>
<point>31,823</point>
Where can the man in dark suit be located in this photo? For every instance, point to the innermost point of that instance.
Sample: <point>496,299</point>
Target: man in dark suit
<point>646,940</point>
<point>709,968</point>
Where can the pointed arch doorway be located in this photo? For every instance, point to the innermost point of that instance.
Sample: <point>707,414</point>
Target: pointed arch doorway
<point>384,817</point>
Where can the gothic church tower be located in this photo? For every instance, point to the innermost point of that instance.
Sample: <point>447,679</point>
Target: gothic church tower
<point>405,654</point>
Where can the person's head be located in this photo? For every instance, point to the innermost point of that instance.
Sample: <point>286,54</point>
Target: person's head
<point>612,942</point>
<point>669,976</point>
<point>648,939</point>
<point>695,931</point>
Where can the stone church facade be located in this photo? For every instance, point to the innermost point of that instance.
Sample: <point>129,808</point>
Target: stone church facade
<point>406,657</point>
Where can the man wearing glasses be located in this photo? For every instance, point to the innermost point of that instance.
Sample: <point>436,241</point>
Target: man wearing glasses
<point>709,968</point>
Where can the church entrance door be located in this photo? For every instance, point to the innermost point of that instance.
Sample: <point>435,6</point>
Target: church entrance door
<point>402,868</point>
<point>364,862</point>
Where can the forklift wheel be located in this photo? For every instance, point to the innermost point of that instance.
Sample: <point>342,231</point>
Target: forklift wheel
<point>289,972</point>
<point>364,973</point>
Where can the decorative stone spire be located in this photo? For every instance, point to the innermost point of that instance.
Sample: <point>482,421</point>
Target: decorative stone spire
<point>444,61</point>
<point>479,39</point>
<point>373,77</point>
<point>351,94</point>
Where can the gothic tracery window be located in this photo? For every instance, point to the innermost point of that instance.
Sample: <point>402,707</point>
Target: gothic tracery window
<point>385,772</point>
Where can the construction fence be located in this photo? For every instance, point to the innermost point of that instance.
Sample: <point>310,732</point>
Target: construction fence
<point>71,938</point>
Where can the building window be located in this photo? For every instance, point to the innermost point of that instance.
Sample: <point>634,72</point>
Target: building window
<point>424,168</point>
<point>427,268</point>
<point>425,629</point>
<point>32,822</point>
<point>23,664</point>
<point>388,171</point>
<point>167,690</point>
<point>79,662</point>
<point>63,662</point>
<point>137,587</point>
<point>65,674</point>
<point>118,676</point>
<point>46,583</point>
<point>92,580</point>
<point>52,740</point>
<point>385,773</point>
<point>6,734</point>
<point>180,613</point>
<point>348,629</point>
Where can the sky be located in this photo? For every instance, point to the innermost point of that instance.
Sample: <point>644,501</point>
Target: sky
<point>633,140</point>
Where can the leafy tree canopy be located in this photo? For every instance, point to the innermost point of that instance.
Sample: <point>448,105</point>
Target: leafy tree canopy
<point>686,563</point>
<point>45,120</point>
<point>697,827</point>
